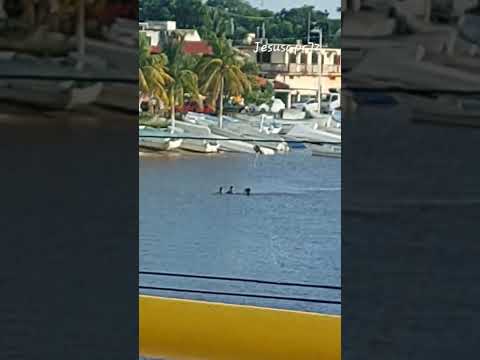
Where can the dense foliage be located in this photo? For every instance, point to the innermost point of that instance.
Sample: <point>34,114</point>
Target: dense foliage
<point>209,79</point>
<point>223,16</point>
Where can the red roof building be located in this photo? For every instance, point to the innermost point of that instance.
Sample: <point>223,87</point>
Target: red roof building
<point>197,48</point>
<point>190,48</point>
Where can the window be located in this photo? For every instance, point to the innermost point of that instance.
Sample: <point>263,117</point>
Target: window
<point>303,58</point>
<point>292,58</point>
<point>336,59</point>
<point>315,58</point>
<point>264,57</point>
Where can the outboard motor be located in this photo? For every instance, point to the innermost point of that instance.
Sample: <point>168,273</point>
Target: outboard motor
<point>257,149</point>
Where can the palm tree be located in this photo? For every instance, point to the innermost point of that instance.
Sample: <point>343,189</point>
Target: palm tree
<point>221,74</point>
<point>152,71</point>
<point>183,77</point>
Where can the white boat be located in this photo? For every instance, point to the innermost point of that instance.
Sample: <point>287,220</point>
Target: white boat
<point>271,141</point>
<point>238,145</point>
<point>54,95</point>
<point>120,58</point>
<point>333,124</point>
<point>115,96</point>
<point>208,123</point>
<point>264,123</point>
<point>444,109</point>
<point>165,141</point>
<point>328,150</point>
<point>313,133</point>
<point>202,145</point>
<point>412,71</point>
<point>123,32</point>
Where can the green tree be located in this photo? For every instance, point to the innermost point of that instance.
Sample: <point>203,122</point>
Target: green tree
<point>221,74</point>
<point>181,71</point>
<point>157,10</point>
<point>152,71</point>
<point>214,24</point>
<point>215,17</point>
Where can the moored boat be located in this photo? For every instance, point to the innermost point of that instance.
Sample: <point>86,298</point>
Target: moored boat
<point>53,95</point>
<point>195,142</point>
<point>328,150</point>
<point>313,133</point>
<point>157,139</point>
<point>228,139</point>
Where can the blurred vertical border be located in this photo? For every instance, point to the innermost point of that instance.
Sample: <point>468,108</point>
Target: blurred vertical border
<point>69,189</point>
<point>410,196</point>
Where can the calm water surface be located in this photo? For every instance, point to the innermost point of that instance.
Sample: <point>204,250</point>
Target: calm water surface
<point>288,230</point>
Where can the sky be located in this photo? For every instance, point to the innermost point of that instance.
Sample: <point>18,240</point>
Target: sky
<point>330,5</point>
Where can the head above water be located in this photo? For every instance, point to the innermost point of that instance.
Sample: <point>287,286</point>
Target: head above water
<point>247,191</point>
<point>220,190</point>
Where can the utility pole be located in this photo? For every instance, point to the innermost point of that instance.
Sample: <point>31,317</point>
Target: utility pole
<point>308,26</point>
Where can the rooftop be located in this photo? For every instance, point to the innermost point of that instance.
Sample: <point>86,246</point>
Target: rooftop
<point>191,48</point>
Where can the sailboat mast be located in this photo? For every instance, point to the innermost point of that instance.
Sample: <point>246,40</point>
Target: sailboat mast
<point>320,70</point>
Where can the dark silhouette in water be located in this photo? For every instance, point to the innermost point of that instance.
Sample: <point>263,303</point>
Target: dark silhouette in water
<point>220,191</point>
<point>257,149</point>
<point>230,190</point>
<point>247,191</point>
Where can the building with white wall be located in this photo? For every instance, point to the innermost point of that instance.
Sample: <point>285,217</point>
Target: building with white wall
<point>156,30</point>
<point>297,68</point>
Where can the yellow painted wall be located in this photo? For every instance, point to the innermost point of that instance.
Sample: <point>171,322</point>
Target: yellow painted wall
<point>192,330</point>
<point>305,82</point>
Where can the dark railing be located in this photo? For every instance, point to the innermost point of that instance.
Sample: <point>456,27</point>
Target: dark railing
<point>238,279</point>
<point>300,68</point>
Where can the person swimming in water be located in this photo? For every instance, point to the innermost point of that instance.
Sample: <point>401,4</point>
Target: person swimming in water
<point>247,191</point>
<point>220,191</point>
<point>230,190</point>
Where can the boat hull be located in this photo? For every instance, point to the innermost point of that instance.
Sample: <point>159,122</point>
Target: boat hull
<point>147,139</point>
<point>238,145</point>
<point>200,146</point>
<point>326,150</point>
<point>52,95</point>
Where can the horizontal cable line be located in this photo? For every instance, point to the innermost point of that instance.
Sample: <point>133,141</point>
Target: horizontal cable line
<point>236,279</point>
<point>260,296</point>
<point>240,139</point>
<point>68,78</point>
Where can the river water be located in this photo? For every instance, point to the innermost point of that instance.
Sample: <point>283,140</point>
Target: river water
<point>287,230</point>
